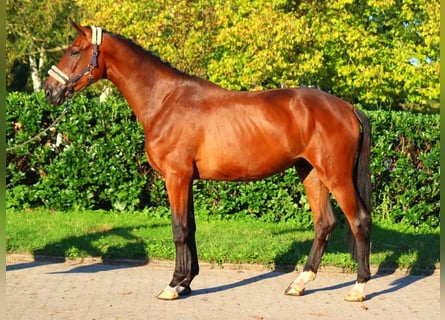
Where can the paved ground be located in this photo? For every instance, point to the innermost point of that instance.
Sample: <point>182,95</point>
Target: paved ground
<point>91,290</point>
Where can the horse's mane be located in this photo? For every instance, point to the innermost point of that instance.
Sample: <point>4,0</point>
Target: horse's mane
<point>148,52</point>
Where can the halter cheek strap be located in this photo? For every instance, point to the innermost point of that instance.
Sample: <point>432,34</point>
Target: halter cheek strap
<point>96,40</point>
<point>96,35</point>
<point>64,79</point>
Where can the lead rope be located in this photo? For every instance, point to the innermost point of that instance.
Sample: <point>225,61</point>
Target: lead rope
<point>55,122</point>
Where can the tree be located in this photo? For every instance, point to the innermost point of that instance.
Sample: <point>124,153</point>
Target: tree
<point>374,53</point>
<point>178,31</point>
<point>212,39</point>
<point>35,31</point>
<point>257,46</point>
<point>379,54</point>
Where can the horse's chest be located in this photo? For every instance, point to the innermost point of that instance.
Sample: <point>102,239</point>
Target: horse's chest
<point>167,154</point>
<point>153,161</point>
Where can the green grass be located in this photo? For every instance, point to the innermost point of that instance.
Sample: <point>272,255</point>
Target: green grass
<point>147,235</point>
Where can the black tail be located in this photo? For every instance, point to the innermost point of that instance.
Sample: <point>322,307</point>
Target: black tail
<point>362,172</point>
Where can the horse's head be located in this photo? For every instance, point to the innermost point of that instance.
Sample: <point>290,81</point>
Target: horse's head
<point>80,66</point>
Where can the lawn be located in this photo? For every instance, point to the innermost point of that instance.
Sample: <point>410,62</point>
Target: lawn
<point>147,235</point>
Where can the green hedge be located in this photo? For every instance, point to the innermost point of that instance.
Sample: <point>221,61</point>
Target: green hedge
<point>95,159</point>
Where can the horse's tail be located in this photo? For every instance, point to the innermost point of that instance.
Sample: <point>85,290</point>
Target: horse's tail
<point>362,172</point>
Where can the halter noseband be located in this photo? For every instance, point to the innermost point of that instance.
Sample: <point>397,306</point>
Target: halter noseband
<point>60,76</point>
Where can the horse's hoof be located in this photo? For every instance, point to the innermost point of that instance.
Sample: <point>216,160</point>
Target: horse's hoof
<point>296,288</point>
<point>357,293</point>
<point>168,293</point>
<point>294,291</point>
<point>355,297</point>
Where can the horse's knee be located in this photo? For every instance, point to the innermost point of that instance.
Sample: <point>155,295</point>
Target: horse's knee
<point>366,222</point>
<point>325,226</point>
<point>324,233</point>
<point>362,227</point>
<point>180,233</point>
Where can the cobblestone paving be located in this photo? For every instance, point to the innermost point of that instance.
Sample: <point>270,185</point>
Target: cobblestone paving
<point>90,290</point>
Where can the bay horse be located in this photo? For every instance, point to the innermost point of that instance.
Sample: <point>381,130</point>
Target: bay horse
<point>195,129</point>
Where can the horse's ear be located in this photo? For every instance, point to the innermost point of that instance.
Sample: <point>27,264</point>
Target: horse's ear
<point>78,28</point>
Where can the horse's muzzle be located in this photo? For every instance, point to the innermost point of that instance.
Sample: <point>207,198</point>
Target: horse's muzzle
<point>55,94</point>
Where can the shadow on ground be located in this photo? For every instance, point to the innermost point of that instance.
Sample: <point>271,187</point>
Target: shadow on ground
<point>393,244</point>
<point>95,244</point>
<point>425,248</point>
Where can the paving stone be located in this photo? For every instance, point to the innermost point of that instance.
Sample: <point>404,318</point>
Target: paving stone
<point>91,290</point>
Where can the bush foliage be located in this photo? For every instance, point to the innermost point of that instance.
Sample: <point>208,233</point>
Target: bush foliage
<point>94,159</point>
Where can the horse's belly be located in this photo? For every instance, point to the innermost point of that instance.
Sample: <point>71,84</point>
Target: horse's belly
<point>242,164</point>
<point>254,144</point>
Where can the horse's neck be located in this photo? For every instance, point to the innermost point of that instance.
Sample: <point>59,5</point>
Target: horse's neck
<point>141,78</point>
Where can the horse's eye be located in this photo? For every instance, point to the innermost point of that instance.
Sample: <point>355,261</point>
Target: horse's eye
<point>74,53</point>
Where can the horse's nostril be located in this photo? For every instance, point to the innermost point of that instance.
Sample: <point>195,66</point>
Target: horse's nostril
<point>48,94</point>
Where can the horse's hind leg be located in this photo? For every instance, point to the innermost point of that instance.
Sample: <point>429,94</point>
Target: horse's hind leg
<point>359,220</point>
<point>324,223</point>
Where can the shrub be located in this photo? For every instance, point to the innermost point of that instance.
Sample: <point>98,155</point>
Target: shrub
<point>95,159</point>
<point>405,167</point>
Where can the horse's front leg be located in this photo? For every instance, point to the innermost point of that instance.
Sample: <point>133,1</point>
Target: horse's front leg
<point>183,224</point>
